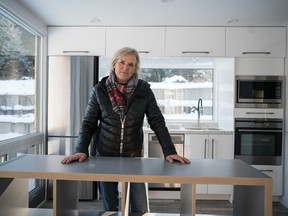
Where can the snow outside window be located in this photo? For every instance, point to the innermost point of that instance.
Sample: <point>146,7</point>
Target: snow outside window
<point>178,83</point>
<point>17,79</point>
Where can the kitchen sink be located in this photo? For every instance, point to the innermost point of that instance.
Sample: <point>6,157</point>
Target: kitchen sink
<point>202,129</point>
<point>174,126</point>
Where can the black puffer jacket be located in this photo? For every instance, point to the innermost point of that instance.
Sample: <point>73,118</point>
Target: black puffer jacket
<point>107,135</point>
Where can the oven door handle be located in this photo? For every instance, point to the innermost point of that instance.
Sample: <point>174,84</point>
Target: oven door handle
<point>253,130</point>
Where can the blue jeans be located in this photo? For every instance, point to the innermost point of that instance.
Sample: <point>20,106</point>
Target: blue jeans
<point>110,196</point>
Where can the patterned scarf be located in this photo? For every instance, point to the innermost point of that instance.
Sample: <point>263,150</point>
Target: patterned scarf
<point>119,94</point>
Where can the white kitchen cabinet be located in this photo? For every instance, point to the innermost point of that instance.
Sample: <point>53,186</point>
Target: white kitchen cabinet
<point>260,66</point>
<point>256,41</point>
<point>76,41</point>
<point>148,41</point>
<point>210,146</point>
<point>195,41</point>
<point>275,172</point>
<point>259,113</point>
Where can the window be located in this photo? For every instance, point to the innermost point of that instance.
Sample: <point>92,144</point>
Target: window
<point>20,94</point>
<point>18,73</point>
<point>179,83</point>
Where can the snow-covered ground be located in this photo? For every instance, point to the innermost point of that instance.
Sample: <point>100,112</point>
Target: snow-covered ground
<point>27,87</point>
<point>17,87</point>
<point>20,88</point>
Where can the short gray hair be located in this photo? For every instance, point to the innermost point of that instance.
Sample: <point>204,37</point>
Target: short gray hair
<point>123,52</point>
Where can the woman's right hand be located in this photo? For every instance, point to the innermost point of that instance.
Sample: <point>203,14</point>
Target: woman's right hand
<point>78,156</point>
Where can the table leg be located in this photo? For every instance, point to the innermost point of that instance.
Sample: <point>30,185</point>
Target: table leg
<point>188,200</point>
<point>65,198</point>
<point>251,201</point>
<point>268,199</point>
<point>125,196</point>
<point>14,196</point>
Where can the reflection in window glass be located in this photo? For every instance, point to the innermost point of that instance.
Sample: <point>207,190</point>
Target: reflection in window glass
<point>35,149</point>
<point>178,83</point>
<point>17,79</point>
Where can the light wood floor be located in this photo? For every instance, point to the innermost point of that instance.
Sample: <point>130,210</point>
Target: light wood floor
<point>217,207</point>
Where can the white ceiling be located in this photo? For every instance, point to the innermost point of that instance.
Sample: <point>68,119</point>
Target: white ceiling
<point>158,13</point>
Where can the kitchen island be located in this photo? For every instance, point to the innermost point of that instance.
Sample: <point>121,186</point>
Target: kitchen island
<point>252,189</point>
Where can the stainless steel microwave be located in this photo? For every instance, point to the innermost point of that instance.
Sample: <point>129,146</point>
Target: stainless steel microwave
<point>259,91</point>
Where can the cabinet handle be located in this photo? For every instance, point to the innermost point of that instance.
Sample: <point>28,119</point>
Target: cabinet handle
<point>205,148</point>
<point>255,130</point>
<point>213,148</point>
<point>266,170</point>
<point>257,53</point>
<point>195,52</point>
<point>267,113</point>
<point>145,52</point>
<point>71,51</point>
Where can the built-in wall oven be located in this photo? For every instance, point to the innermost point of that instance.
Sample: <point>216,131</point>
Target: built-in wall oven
<point>259,141</point>
<point>259,91</point>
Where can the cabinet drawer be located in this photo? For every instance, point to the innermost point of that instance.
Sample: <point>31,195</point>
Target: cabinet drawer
<point>276,173</point>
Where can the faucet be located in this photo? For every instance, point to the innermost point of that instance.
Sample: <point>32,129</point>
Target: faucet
<point>199,110</point>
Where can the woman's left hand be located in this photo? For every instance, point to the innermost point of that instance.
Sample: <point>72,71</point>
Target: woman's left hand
<point>176,157</point>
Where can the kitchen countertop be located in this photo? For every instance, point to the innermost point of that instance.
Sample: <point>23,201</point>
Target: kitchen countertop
<point>191,131</point>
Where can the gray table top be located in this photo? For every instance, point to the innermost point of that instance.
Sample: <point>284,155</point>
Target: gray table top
<point>132,169</point>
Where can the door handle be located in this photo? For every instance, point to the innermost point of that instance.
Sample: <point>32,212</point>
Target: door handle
<point>213,142</point>
<point>257,53</point>
<point>75,51</point>
<point>260,113</point>
<point>195,52</point>
<point>205,148</point>
<point>143,52</point>
<point>266,170</point>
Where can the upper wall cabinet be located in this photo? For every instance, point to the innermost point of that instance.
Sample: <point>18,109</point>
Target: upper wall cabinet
<point>256,41</point>
<point>148,41</point>
<point>260,66</point>
<point>76,41</point>
<point>195,41</point>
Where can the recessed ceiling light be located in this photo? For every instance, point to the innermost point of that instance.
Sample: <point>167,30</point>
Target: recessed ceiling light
<point>95,20</point>
<point>233,20</point>
<point>167,1</point>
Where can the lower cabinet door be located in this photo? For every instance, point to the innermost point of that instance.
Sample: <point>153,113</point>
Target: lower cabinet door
<point>210,146</point>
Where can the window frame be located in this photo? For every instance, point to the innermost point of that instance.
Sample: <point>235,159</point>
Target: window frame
<point>10,147</point>
<point>39,84</point>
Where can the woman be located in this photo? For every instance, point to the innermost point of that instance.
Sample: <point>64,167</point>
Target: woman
<point>119,103</point>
